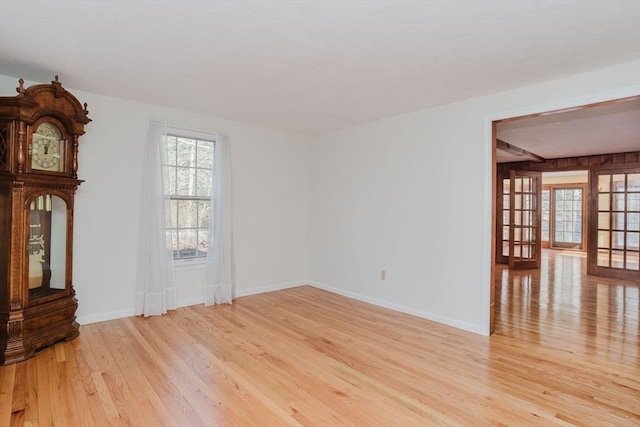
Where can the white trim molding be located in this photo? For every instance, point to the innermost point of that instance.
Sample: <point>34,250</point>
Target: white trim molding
<point>270,288</point>
<point>113,315</point>
<point>401,308</point>
<point>103,317</point>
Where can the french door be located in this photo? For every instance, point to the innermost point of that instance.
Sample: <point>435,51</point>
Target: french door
<point>524,231</point>
<point>614,239</point>
<point>518,214</point>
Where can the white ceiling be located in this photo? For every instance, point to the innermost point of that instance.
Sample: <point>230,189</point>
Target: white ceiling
<point>310,66</point>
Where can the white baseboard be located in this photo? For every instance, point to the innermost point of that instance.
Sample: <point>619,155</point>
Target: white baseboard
<point>401,308</point>
<point>112,315</point>
<point>191,301</point>
<point>102,317</point>
<point>270,288</point>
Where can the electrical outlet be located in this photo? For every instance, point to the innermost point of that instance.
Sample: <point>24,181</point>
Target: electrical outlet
<point>383,275</point>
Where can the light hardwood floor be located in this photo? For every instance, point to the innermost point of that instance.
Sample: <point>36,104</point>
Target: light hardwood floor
<point>563,354</point>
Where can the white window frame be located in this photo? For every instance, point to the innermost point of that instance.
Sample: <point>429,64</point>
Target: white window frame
<point>199,136</point>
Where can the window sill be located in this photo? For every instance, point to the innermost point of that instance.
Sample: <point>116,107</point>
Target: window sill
<point>191,264</point>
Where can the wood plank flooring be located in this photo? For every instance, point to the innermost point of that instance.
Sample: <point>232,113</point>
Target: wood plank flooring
<point>565,352</point>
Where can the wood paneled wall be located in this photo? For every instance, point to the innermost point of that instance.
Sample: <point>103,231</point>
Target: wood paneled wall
<point>600,161</point>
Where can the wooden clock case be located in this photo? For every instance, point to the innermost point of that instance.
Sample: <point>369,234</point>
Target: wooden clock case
<point>37,299</point>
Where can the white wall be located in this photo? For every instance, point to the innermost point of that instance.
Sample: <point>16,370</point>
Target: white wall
<point>409,194</point>
<point>412,195</point>
<point>270,202</point>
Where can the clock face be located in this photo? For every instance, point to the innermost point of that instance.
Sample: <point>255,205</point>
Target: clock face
<point>47,148</point>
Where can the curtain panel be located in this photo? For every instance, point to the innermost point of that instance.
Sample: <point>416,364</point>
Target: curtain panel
<point>155,287</point>
<point>220,274</point>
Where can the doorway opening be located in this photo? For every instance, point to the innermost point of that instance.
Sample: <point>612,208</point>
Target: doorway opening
<point>554,174</point>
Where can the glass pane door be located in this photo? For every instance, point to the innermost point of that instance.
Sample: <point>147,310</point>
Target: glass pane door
<point>616,239</point>
<point>506,216</point>
<point>525,215</point>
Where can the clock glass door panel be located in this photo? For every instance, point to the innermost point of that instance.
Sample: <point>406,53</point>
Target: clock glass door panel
<point>47,246</point>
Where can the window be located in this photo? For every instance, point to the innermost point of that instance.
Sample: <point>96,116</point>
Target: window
<point>545,215</point>
<point>188,172</point>
<point>564,210</point>
<point>567,217</point>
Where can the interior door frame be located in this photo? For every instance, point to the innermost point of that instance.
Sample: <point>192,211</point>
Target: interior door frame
<point>488,294</point>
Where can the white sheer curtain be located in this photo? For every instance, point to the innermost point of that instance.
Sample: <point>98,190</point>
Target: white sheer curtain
<point>220,274</point>
<point>155,288</point>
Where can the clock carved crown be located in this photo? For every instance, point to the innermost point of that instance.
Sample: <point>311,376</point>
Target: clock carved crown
<point>39,131</point>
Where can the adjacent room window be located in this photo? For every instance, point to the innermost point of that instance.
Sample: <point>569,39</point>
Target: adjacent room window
<point>567,216</point>
<point>546,207</point>
<point>564,213</point>
<point>188,172</point>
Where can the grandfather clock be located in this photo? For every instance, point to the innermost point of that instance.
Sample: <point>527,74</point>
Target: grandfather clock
<point>39,132</point>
